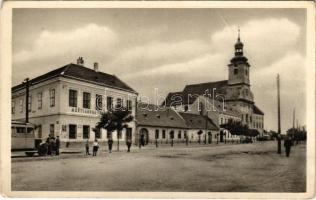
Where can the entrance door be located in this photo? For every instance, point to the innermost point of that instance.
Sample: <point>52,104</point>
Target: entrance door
<point>221,136</point>
<point>209,137</point>
<point>72,131</point>
<point>144,137</point>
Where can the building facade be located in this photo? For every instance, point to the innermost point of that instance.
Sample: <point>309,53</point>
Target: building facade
<point>68,102</point>
<point>167,124</point>
<point>232,98</point>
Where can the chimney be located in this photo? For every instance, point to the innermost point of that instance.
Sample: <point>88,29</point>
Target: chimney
<point>80,61</point>
<point>96,66</point>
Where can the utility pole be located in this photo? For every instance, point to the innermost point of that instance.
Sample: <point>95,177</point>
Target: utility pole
<point>27,85</point>
<point>279,116</point>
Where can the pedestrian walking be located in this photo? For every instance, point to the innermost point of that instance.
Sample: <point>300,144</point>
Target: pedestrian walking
<point>87,148</point>
<point>95,147</point>
<point>128,143</point>
<point>110,143</point>
<point>57,145</point>
<point>287,145</point>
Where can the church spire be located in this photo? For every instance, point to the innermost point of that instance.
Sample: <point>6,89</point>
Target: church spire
<point>239,45</point>
<point>238,40</point>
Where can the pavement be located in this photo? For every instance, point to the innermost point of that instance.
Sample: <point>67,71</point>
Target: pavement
<point>216,168</point>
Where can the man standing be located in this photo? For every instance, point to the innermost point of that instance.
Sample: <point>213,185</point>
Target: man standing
<point>57,145</point>
<point>128,143</point>
<point>110,142</point>
<point>87,148</point>
<point>287,145</point>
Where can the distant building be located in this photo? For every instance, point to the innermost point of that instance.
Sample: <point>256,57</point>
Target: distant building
<point>166,124</point>
<point>223,100</point>
<point>68,102</point>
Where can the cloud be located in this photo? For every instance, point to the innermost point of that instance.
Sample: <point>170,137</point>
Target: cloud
<point>265,40</point>
<point>54,44</point>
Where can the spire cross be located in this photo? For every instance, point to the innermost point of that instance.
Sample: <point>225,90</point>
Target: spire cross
<point>238,33</point>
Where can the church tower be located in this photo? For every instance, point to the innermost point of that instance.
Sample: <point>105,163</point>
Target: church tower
<point>239,66</point>
<point>238,94</point>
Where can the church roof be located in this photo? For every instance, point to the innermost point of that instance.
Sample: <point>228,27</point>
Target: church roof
<point>195,121</point>
<point>257,111</point>
<point>79,72</point>
<point>191,92</point>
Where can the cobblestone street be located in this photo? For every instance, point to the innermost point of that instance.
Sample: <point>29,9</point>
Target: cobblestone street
<point>223,168</point>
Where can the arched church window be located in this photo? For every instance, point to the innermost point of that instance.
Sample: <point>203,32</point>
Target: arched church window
<point>235,71</point>
<point>246,71</point>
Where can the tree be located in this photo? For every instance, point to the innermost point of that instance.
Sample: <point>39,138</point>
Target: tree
<point>235,127</point>
<point>115,120</point>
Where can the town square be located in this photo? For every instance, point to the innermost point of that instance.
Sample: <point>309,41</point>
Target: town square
<point>159,100</point>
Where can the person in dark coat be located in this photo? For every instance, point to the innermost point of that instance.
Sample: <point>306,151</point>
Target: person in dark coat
<point>110,143</point>
<point>287,145</point>
<point>87,148</point>
<point>128,143</point>
<point>57,144</point>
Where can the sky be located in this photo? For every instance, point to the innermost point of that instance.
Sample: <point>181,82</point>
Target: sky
<point>170,48</point>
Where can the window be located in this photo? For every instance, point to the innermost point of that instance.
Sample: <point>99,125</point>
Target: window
<point>30,104</point>
<point>109,102</point>
<point>73,96</point>
<point>221,120</point>
<point>171,134</point>
<point>246,71</point>
<point>157,134</point>
<point>39,101</point>
<point>163,134</point>
<point>98,133</point>
<point>72,131</point>
<point>185,135</point>
<point>119,103</point>
<point>235,71</point>
<point>179,135</point>
<point>51,129</point>
<point>129,104</point>
<point>21,105</point>
<point>52,97</point>
<point>86,100</point>
<point>98,102</point>
<point>13,107</point>
<point>85,132</point>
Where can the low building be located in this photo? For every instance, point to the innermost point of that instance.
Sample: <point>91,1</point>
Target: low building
<point>165,124</point>
<point>69,100</point>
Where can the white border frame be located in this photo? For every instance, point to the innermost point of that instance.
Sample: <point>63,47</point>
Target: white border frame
<point>5,94</point>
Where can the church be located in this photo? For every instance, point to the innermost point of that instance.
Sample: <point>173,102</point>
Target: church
<point>223,100</point>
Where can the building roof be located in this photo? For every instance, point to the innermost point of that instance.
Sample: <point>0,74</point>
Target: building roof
<point>191,92</point>
<point>195,121</point>
<point>151,115</point>
<point>79,72</point>
<point>257,111</point>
